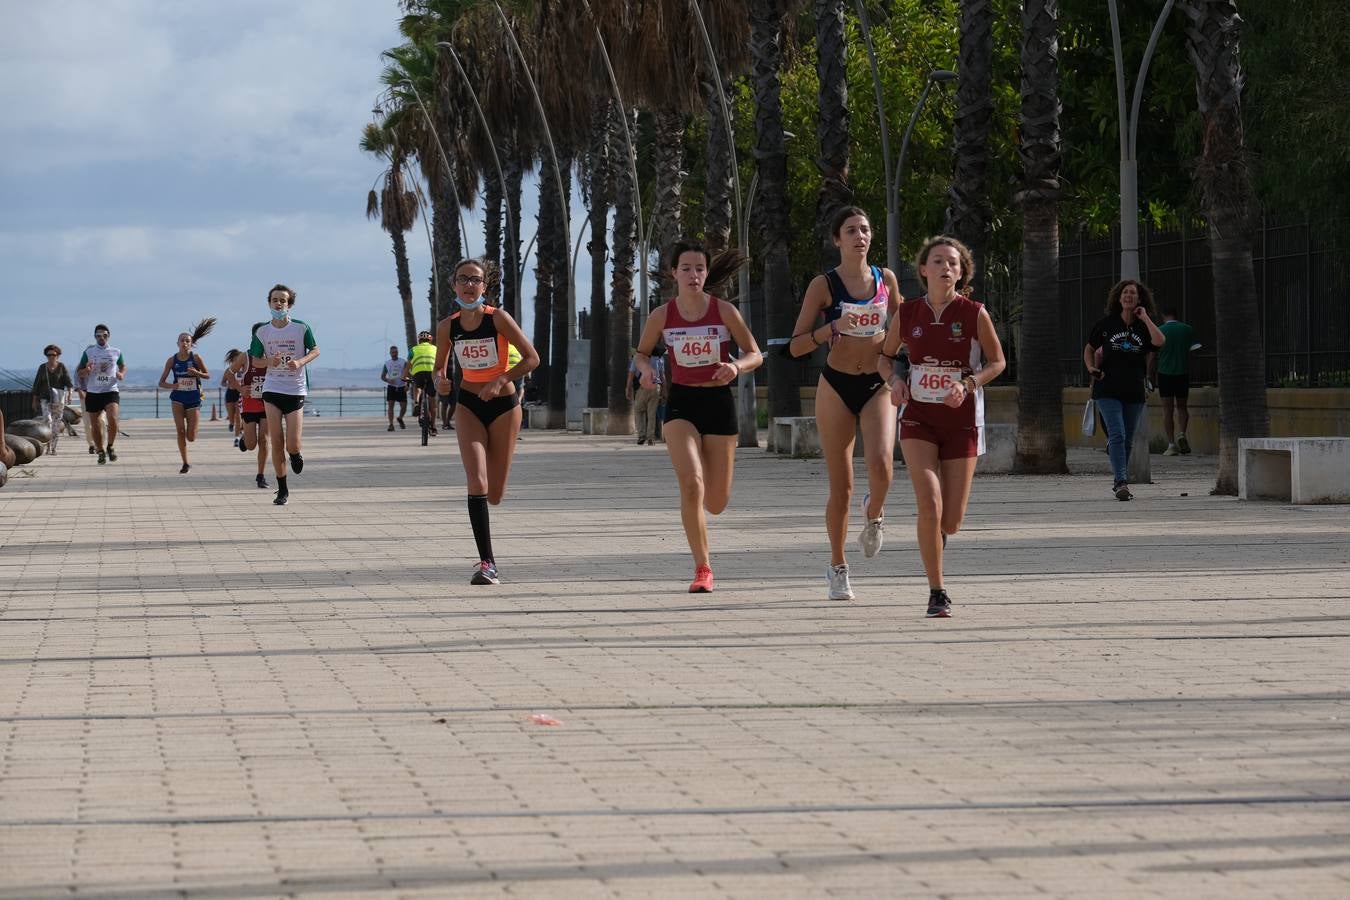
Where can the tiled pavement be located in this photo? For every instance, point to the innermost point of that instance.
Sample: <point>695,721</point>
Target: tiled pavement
<point>203,695</point>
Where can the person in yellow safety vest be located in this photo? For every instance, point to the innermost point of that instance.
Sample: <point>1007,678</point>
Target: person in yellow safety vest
<point>421,362</point>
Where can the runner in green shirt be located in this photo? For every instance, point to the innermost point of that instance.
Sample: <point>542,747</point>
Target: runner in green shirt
<point>1172,374</point>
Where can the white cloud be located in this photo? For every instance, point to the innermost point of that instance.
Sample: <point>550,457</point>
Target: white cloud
<point>281,85</point>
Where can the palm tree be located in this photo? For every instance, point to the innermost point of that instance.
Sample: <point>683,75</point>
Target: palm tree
<point>1040,383</point>
<point>620,420</point>
<point>832,129</point>
<point>767,18</point>
<point>968,211</point>
<point>1222,176</point>
<point>396,208</point>
<point>598,187</point>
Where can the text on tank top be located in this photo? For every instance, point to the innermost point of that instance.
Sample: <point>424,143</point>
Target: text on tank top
<point>102,378</point>
<point>871,313</point>
<point>943,347</point>
<point>482,352</point>
<point>696,347</point>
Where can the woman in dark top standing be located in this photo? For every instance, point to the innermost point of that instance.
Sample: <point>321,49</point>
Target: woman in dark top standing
<point>1116,356</point>
<point>51,376</point>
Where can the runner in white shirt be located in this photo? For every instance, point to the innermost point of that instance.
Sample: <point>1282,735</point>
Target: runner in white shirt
<point>102,367</point>
<point>395,390</point>
<point>284,347</point>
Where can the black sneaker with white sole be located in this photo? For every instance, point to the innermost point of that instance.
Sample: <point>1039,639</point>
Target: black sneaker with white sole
<point>939,604</point>
<point>1122,492</point>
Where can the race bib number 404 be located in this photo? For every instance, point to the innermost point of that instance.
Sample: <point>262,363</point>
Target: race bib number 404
<point>694,347</point>
<point>476,353</point>
<point>930,384</point>
<point>869,319</point>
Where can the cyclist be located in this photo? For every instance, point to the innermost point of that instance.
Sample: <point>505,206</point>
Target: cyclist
<point>421,362</point>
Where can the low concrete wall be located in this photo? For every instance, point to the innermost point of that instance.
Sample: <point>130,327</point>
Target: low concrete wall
<point>1294,412</point>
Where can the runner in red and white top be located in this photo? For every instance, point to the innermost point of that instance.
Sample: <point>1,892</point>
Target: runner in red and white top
<point>953,351</point>
<point>252,413</point>
<point>700,423</point>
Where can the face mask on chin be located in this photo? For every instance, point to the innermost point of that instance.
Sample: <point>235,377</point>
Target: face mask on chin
<point>278,314</point>
<point>467,306</point>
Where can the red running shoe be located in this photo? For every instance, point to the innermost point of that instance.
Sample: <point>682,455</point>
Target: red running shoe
<point>703,581</point>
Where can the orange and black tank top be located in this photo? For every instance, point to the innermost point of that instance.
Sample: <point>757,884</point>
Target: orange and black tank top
<point>481,353</point>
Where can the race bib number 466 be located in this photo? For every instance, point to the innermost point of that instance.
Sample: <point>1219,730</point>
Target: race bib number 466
<point>931,384</point>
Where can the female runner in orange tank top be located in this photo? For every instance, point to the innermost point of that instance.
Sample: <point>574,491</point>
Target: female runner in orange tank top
<point>487,417</point>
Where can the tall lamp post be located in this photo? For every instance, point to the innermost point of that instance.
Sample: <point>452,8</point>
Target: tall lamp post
<point>1140,471</point>
<point>1129,140</point>
<point>893,177</point>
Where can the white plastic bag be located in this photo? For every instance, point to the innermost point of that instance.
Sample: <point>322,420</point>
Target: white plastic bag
<point>1089,418</point>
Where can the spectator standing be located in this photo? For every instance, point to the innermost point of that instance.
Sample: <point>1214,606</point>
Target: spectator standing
<point>647,401</point>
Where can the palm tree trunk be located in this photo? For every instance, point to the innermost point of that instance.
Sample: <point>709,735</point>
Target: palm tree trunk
<point>621,297</point>
<point>446,241</point>
<point>766,19</point>
<point>1040,383</point>
<point>492,227</point>
<point>404,285</point>
<point>561,330</point>
<point>832,129</point>
<point>600,188</point>
<point>668,155</point>
<point>1213,42</point>
<point>511,257</point>
<point>543,278</point>
<point>717,196</point>
<point>968,210</point>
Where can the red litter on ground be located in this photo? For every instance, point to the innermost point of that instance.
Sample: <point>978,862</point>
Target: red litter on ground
<point>544,719</point>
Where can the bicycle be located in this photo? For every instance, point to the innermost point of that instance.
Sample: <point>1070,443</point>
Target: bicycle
<point>424,414</point>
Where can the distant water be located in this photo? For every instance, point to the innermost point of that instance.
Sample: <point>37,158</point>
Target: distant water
<point>137,404</point>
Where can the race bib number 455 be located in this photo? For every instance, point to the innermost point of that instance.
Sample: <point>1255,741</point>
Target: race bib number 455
<point>476,353</point>
<point>930,384</point>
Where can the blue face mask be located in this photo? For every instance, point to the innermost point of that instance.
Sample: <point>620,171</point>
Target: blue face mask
<point>278,314</point>
<point>474,305</point>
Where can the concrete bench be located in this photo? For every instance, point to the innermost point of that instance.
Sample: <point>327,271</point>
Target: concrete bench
<point>1000,445</point>
<point>1297,469</point>
<point>794,436</point>
<point>535,415</point>
<point>594,420</point>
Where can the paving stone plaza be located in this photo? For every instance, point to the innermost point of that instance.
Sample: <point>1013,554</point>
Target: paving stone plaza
<point>207,696</point>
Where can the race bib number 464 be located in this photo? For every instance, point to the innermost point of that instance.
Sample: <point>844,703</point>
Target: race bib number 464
<point>931,384</point>
<point>694,347</point>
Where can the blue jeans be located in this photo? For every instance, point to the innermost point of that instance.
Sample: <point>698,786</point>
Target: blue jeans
<point>1120,420</point>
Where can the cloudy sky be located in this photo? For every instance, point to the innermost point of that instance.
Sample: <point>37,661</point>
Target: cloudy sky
<point>170,159</point>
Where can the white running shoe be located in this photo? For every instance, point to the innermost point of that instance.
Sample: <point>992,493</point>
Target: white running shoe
<point>870,539</point>
<point>840,589</point>
<point>1171,450</point>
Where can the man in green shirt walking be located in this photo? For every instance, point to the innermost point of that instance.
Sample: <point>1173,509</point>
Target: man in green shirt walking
<point>1172,374</point>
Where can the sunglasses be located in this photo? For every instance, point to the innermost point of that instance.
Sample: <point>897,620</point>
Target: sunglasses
<point>53,355</point>
<point>100,334</point>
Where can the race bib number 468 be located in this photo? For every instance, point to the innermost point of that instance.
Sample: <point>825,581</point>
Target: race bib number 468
<point>931,384</point>
<point>870,319</point>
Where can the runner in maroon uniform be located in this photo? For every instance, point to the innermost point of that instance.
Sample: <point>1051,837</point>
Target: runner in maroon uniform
<point>252,414</point>
<point>942,421</point>
<point>700,422</point>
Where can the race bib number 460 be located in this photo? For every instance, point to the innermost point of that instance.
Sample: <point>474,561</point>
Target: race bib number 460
<point>869,319</point>
<point>476,353</point>
<point>931,384</point>
<point>187,384</point>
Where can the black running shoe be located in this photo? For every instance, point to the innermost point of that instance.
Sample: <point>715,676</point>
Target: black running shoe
<point>92,451</point>
<point>242,447</point>
<point>1122,492</point>
<point>184,470</point>
<point>112,454</point>
<point>280,499</point>
<point>939,604</point>
<point>262,482</point>
<point>102,458</point>
<point>297,463</point>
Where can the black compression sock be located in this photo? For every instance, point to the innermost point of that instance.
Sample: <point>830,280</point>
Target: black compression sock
<point>482,531</point>
<point>281,485</point>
